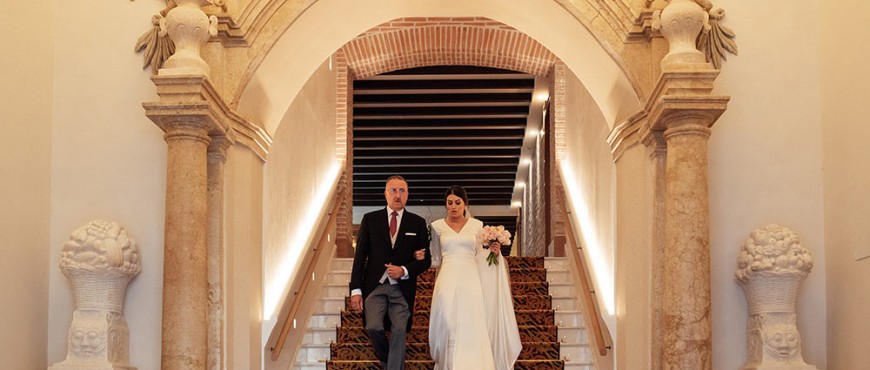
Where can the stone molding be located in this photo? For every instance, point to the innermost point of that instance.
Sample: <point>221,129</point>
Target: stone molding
<point>195,99</point>
<point>682,95</point>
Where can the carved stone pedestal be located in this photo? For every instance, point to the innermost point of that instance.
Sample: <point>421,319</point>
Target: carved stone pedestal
<point>100,260</point>
<point>772,266</point>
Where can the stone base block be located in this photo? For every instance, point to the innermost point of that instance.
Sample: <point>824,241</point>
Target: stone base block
<point>782,367</point>
<point>66,365</point>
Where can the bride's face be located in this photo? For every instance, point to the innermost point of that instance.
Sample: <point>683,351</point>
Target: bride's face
<point>455,206</point>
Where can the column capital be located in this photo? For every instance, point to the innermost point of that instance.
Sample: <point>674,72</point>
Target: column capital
<point>194,99</point>
<point>684,96</point>
<point>219,145</point>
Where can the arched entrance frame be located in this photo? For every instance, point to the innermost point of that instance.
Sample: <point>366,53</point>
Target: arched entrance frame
<point>242,101</point>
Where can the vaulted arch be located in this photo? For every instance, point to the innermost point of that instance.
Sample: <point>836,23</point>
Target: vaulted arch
<point>420,41</point>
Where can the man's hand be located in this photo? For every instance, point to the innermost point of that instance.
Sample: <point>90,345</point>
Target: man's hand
<point>420,254</point>
<point>395,272</point>
<point>356,304</point>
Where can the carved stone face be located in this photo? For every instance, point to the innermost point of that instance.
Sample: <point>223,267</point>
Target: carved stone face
<point>87,342</point>
<point>781,341</point>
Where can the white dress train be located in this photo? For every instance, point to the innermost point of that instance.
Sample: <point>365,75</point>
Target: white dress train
<point>472,324</point>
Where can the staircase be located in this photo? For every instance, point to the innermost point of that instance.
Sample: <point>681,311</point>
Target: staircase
<point>551,328</point>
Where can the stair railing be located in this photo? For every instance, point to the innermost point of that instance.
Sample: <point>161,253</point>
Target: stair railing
<point>299,304</point>
<point>592,314</point>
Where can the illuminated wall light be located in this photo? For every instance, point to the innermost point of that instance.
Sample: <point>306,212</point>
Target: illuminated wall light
<point>521,185</point>
<point>533,132</point>
<point>527,162</point>
<point>583,218</point>
<point>517,204</point>
<point>303,234</point>
<point>542,96</point>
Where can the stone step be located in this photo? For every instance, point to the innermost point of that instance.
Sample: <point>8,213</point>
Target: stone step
<point>420,351</point>
<point>573,351</point>
<point>563,290</point>
<point>579,365</point>
<point>542,288</point>
<point>532,302</point>
<point>310,366</point>
<point>570,318</point>
<point>421,318</point>
<point>428,365</point>
<point>331,304</point>
<point>556,263</point>
<point>517,288</point>
<point>513,262</point>
<point>516,275</point>
<point>544,298</point>
<point>342,264</point>
<point>563,303</point>
<point>311,352</point>
<point>573,334</point>
<point>420,334</point>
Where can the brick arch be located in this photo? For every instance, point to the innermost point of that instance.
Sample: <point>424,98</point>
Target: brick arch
<point>415,42</point>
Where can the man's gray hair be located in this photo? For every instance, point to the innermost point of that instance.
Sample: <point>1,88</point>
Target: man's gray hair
<point>396,177</point>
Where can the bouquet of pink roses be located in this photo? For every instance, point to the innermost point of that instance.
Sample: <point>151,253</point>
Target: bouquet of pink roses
<point>492,234</point>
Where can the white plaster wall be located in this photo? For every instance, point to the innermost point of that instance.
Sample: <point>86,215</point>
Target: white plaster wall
<point>25,165</point>
<point>243,263</point>
<point>845,90</point>
<point>765,158</point>
<point>300,168</point>
<point>590,186</point>
<point>107,159</point>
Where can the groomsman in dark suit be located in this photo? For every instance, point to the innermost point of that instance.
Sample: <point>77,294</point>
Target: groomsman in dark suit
<point>384,276</point>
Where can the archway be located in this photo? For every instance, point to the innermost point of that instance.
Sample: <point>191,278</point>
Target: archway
<point>287,46</point>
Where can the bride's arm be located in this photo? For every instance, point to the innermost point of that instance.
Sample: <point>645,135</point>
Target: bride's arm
<point>435,246</point>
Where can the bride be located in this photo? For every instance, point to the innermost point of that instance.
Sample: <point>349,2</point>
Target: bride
<point>472,323</point>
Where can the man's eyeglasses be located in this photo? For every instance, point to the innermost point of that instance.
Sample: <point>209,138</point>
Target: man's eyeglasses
<point>395,191</point>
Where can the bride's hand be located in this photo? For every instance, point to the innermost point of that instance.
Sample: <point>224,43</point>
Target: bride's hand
<point>495,247</point>
<point>420,254</point>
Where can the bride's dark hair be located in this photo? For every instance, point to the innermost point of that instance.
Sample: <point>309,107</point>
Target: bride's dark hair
<point>459,192</point>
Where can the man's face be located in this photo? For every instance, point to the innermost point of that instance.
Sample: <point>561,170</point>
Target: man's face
<point>396,194</point>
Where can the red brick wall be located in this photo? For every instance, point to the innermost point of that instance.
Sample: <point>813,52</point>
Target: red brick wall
<point>416,42</point>
<point>344,96</point>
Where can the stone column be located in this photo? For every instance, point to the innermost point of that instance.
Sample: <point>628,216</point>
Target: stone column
<point>687,335</point>
<point>185,281</point>
<point>657,149</point>
<point>217,157</point>
<point>682,106</point>
<point>682,111</point>
<point>186,311</point>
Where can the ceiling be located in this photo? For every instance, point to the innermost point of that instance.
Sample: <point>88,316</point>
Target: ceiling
<point>440,126</point>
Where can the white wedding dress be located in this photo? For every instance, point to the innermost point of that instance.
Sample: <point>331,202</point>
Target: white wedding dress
<point>472,324</point>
